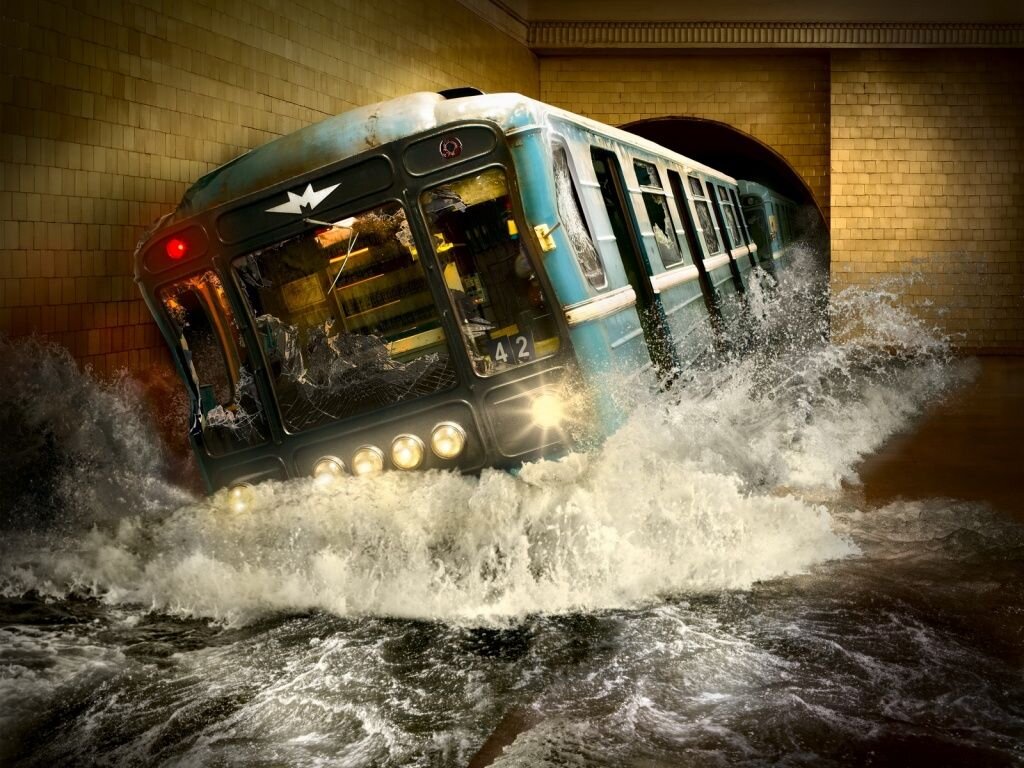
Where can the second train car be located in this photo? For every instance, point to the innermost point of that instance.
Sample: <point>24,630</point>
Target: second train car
<point>435,282</point>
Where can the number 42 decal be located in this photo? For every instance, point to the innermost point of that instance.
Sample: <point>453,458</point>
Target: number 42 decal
<point>512,350</point>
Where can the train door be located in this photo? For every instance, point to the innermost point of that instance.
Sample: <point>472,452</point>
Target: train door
<point>634,260</point>
<point>728,230</point>
<point>711,296</point>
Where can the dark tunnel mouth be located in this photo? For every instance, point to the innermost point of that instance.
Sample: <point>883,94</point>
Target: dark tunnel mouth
<point>728,149</point>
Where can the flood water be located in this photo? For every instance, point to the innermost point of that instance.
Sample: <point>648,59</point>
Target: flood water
<point>706,588</point>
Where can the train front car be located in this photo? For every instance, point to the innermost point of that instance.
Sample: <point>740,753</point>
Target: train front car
<point>335,309</point>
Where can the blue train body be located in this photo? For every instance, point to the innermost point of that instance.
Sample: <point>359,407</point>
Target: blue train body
<point>438,282</point>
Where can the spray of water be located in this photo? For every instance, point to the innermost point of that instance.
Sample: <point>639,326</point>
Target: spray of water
<point>702,489</point>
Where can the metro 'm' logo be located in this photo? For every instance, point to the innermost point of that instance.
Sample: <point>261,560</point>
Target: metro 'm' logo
<point>304,203</point>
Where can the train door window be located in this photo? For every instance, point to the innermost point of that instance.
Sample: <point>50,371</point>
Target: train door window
<point>570,212</point>
<point>732,226</point>
<point>347,319</point>
<point>676,182</point>
<point>606,168</point>
<point>227,408</point>
<point>704,217</point>
<point>506,317</point>
<point>656,204</point>
<point>744,230</point>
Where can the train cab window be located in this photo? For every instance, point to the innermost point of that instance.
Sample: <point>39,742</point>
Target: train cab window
<point>656,204</point>
<point>506,318</point>
<point>704,217</point>
<point>227,408</point>
<point>347,319</point>
<point>570,212</point>
<point>732,225</point>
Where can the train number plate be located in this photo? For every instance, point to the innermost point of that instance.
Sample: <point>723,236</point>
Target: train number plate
<point>512,350</point>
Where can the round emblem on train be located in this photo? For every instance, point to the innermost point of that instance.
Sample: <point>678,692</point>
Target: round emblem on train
<point>450,147</point>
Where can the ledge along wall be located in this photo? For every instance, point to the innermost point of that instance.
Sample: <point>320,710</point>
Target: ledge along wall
<point>111,109</point>
<point>108,111</point>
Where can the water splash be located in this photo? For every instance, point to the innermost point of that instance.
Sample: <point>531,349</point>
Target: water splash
<point>719,461</point>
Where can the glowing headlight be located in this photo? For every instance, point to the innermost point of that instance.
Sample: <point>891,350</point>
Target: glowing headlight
<point>548,410</point>
<point>407,451</point>
<point>447,440</point>
<point>367,460</point>
<point>328,471</point>
<point>240,498</point>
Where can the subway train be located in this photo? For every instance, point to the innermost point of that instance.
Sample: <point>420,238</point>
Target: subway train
<point>451,280</point>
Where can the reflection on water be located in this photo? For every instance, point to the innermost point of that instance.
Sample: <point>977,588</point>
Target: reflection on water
<point>700,590</point>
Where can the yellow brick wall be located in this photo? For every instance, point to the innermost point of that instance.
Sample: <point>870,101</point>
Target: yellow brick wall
<point>110,109</point>
<point>780,99</point>
<point>928,180</point>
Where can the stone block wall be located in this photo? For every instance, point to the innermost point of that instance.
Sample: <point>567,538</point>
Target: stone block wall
<point>110,109</point>
<point>927,153</point>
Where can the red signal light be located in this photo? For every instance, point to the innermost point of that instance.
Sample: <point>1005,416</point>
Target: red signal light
<point>176,248</point>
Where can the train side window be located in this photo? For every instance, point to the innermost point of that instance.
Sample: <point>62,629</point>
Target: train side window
<point>728,215</point>
<point>570,211</point>
<point>739,215</point>
<point>704,217</point>
<point>227,408</point>
<point>656,204</point>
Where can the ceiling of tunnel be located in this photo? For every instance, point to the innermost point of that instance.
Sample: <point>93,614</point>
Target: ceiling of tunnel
<point>836,11</point>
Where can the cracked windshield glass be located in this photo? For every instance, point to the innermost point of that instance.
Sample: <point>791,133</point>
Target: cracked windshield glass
<point>506,319</point>
<point>346,318</point>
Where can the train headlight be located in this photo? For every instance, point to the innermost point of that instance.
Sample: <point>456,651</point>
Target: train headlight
<point>240,498</point>
<point>367,460</point>
<point>328,471</point>
<point>548,410</point>
<point>447,440</point>
<point>407,451</point>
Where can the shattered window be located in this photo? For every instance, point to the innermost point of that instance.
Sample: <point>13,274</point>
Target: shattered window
<point>227,409</point>
<point>505,316</point>
<point>346,319</point>
<point>570,212</point>
<point>657,212</point>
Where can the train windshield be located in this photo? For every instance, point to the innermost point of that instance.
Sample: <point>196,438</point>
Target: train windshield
<point>347,319</point>
<point>505,316</point>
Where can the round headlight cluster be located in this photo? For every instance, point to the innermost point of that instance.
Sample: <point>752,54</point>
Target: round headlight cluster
<point>367,460</point>
<point>328,471</point>
<point>407,452</point>
<point>447,440</point>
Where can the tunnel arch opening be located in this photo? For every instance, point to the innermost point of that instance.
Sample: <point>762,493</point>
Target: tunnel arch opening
<point>730,150</point>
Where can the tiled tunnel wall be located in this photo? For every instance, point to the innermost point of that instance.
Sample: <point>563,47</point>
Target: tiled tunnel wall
<point>928,185</point>
<point>110,110</point>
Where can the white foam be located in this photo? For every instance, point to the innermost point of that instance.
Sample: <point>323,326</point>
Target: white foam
<point>692,494</point>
